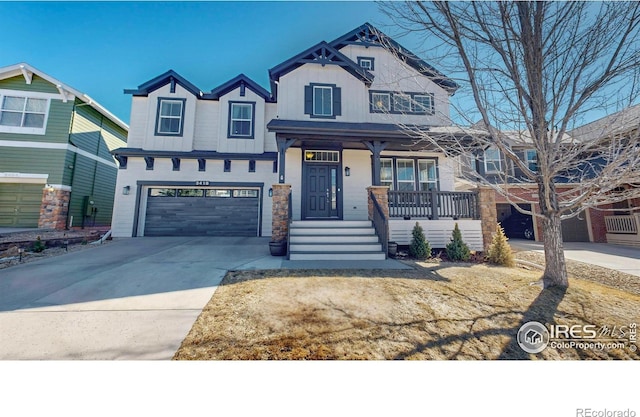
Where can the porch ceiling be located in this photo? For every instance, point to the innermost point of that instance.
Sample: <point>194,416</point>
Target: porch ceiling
<point>352,135</point>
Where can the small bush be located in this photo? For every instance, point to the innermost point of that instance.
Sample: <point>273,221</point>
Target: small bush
<point>38,245</point>
<point>419,247</point>
<point>499,252</point>
<point>457,250</point>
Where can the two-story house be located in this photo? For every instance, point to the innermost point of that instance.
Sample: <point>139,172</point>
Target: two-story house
<point>335,121</point>
<point>56,169</point>
<point>609,222</point>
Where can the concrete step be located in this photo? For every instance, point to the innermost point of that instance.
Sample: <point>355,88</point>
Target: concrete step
<point>331,223</point>
<point>334,256</point>
<point>322,231</point>
<point>338,248</point>
<point>334,239</point>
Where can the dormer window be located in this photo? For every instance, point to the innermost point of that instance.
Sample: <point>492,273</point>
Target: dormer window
<point>366,62</point>
<point>241,120</point>
<point>170,119</point>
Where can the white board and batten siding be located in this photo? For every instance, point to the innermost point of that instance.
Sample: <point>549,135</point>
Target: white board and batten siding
<point>437,232</point>
<point>393,75</point>
<point>239,145</point>
<point>125,205</point>
<point>355,200</point>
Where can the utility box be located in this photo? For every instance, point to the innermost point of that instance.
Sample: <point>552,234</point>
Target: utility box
<point>89,206</point>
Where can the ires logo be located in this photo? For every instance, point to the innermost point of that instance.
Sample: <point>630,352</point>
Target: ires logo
<point>577,331</point>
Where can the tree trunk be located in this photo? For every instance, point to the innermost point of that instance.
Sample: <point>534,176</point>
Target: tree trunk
<point>555,271</point>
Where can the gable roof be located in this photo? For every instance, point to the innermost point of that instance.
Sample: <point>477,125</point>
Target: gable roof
<point>27,71</point>
<point>162,80</point>
<point>323,54</point>
<point>619,123</point>
<point>239,81</point>
<point>368,35</point>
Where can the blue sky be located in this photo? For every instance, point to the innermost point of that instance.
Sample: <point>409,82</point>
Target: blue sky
<point>101,48</point>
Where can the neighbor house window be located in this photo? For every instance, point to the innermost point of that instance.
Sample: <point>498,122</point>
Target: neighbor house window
<point>531,159</point>
<point>170,117</point>
<point>427,175</point>
<point>492,162</point>
<point>241,120</point>
<point>322,100</point>
<point>21,114</point>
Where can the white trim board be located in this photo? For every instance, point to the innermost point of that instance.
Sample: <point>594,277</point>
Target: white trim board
<point>59,146</point>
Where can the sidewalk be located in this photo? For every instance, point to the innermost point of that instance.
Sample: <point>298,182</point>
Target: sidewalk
<point>620,258</point>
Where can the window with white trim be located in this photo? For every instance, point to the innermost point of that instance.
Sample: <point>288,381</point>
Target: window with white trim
<point>322,100</point>
<point>401,103</point>
<point>380,102</point>
<point>427,175</point>
<point>386,172</point>
<point>23,114</point>
<point>170,117</point>
<point>366,62</point>
<point>241,116</point>
<point>422,103</point>
<point>492,161</point>
<point>405,171</point>
<point>531,159</point>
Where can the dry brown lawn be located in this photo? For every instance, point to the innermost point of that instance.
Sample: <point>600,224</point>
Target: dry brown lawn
<point>447,311</point>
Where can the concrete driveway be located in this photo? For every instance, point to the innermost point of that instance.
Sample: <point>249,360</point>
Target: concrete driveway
<point>620,258</point>
<point>128,299</point>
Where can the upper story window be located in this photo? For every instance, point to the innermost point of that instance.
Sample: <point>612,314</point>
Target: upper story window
<point>23,114</point>
<point>170,117</point>
<point>401,102</point>
<point>322,100</point>
<point>531,159</point>
<point>492,161</point>
<point>366,62</point>
<point>241,120</point>
<point>380,102</point>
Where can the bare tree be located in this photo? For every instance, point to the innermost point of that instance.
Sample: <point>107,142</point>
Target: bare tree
<point>534,70</point>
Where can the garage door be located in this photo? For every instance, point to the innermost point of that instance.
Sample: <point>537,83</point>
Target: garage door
<point>20,204</point>
<point>575,229</point>
<point>202,212</point>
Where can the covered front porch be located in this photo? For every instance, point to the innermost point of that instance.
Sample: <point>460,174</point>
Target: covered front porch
<point>623,229</point>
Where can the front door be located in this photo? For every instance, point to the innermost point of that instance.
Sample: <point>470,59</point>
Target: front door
<point>321,191</point>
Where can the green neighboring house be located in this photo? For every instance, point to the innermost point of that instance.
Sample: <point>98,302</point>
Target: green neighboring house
<point>56,169</point>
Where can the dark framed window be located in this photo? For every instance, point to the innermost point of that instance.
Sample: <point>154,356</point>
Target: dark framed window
<point>322,101</point>
<point>397,102</point>
<point>492,161</point>
<point>170,116</point>
<point>531,159</point>
<point>241,119</point>
<point>366,62</point>
<point>409,174</point>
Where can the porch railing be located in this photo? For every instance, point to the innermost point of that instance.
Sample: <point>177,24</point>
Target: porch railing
<point>381,224</point>
<point>622,224</point>
<point>434,204</point>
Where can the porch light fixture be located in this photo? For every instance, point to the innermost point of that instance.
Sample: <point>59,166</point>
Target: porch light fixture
<point>270,192</point>
<point>126,190</point>
<point>347,171</point>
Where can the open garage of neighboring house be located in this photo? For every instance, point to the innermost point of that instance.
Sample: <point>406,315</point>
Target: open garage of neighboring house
<point>20,204</point>
<point>521,226</point>
<point>202,212</point>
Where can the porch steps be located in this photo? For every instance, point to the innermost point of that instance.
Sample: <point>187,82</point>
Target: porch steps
<point>334,240</point>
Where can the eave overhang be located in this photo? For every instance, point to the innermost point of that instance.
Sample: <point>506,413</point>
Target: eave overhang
<point>196,154</point>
